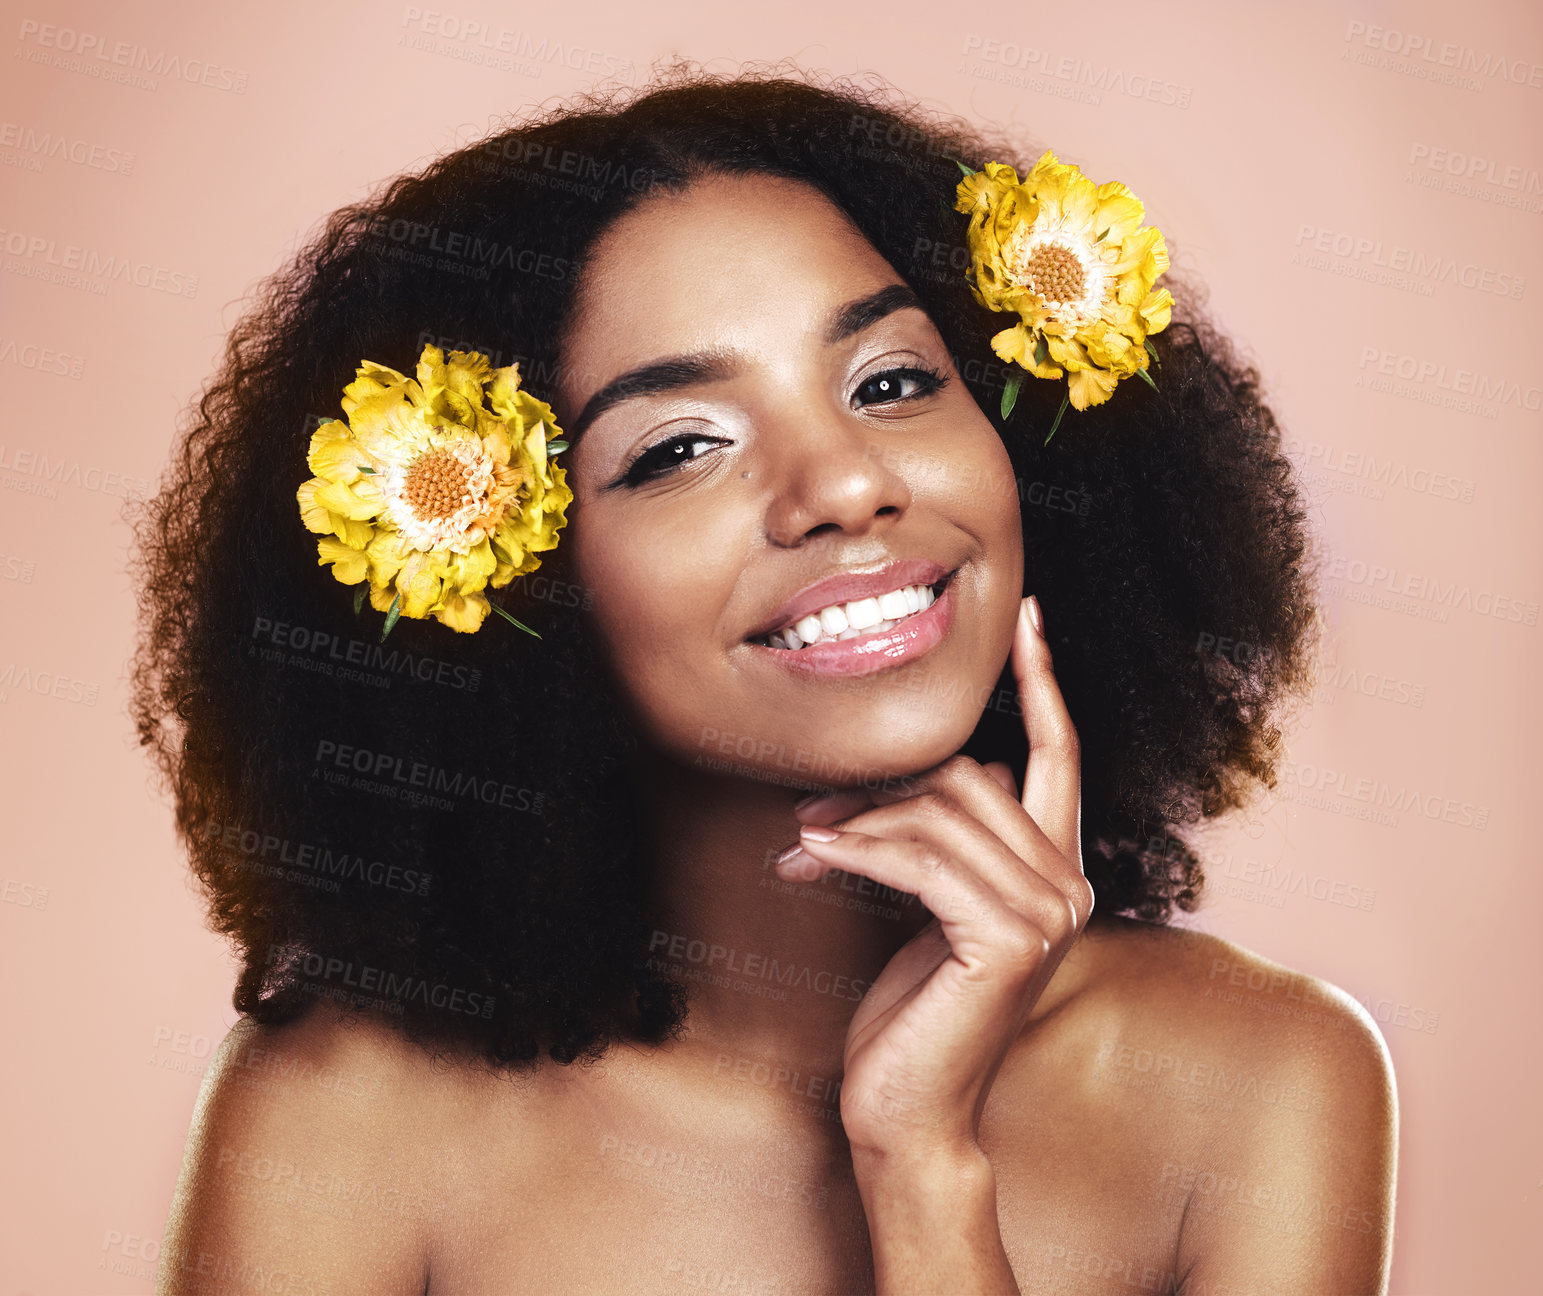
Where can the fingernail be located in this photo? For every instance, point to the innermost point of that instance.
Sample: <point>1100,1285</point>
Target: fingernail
<point>789,853</point>
<point>814,799</point>
<point>1036,617</point>
<point>817,832</point>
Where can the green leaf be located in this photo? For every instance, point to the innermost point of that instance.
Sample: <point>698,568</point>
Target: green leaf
<point>1102,234</point>
<point>1152,351</point>
<point>962,167</point>
<point>556,447</point>
<point>1010,393</point>
<point>1066,401</point>
<point>1147,378</point>
<point>509,618</point>
<point>1041,349</point>
<point>391,615</point>
<point>359,596</point>
<point>365,468</point>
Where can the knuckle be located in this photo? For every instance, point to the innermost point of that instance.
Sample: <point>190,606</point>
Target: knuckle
<point>1025,944</point>
<point>1061,922</point>
<point>1083,897</point>
<point>1063,736</point>
<point>936,804</point>
<point>956,767</point>
<point>930,860</point>
<point>862,840</point>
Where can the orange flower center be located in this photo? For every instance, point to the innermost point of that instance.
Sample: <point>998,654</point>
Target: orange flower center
<point>437,485</point>
<point>1053,271</point>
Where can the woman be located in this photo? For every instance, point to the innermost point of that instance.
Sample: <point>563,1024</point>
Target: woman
<point>945,1044</point>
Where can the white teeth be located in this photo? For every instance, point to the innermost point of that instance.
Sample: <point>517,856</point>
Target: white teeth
<point>861,616</point>
<point>833,621</point>
<point>862,613</point>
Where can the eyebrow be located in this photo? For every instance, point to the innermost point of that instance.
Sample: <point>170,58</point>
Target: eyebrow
<point>716,365</point>
<point>855,316</point>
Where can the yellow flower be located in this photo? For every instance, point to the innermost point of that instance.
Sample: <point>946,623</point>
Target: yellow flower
<point>435,489</point>
<point>1076,265</point>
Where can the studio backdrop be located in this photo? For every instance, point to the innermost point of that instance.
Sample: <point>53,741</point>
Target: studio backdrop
<point>1358,186</point>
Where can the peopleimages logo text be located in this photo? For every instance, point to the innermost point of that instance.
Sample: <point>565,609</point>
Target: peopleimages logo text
<point>388,985</point>
<point>369,656</point>
<point>1457,596</point>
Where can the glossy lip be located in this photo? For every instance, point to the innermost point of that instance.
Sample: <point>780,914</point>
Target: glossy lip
<point>844,587</point>
<point>878,650</point>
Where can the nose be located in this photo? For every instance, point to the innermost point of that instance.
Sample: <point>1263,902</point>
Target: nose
<point>832,472</point>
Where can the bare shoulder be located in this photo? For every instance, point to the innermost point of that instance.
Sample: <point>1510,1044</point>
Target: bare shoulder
<point>1277,1093</point>
<point>311,1156</point>
<point>1209,992</point>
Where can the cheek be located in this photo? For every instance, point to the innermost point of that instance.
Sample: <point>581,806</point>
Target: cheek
<point>985,487</point>
<point>651,614</point>
<point>1001,484</point>
<point>995,512</point>
<point>619,581</point>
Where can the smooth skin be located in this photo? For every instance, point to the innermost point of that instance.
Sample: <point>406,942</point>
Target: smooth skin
<point>915,1061</point>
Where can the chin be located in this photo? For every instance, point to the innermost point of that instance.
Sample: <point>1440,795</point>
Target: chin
<point>857,754</point>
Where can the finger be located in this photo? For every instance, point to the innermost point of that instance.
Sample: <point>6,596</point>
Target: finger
<point>982,928</point>
<point>965,846</point>
<point>1052,783</point>
<point>832,805</point>
<point>906,974</point>
<point>963,785</point>
<point>1002,772</point>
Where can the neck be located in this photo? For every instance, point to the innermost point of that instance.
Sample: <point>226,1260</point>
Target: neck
<point>774,969</point>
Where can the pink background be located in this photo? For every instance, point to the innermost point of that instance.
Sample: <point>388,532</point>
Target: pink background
<point>1293,162</point>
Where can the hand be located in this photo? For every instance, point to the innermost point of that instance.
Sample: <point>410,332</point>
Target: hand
<point>1004,882</point>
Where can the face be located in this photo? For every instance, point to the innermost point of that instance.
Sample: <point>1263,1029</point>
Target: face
<point>795,419</point>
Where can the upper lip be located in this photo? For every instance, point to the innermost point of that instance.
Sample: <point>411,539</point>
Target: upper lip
<point>843,587</point>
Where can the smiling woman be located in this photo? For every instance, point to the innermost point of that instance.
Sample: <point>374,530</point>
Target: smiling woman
<point>851,902</point>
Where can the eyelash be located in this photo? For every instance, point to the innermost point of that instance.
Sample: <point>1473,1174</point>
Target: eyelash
<point>930,379</point>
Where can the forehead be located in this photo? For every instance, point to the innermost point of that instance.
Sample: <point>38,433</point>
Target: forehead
<point>719,263</point>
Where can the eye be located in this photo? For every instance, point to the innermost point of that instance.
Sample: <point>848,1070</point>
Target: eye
<point>892,384</point>
<point>665,457</point>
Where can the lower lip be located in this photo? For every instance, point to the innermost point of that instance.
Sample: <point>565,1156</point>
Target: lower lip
<point>916,635</point>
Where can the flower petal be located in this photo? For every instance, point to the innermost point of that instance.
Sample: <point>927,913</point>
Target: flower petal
<point>348,564</point>
<point>350,501</point>
<point>1157,310</point>
<point>315,516</point>
<point>333,453</point>
<point>464,613</point>
<point>1090,387</point>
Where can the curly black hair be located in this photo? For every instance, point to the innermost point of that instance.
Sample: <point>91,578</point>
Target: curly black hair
<point>439,828</point>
